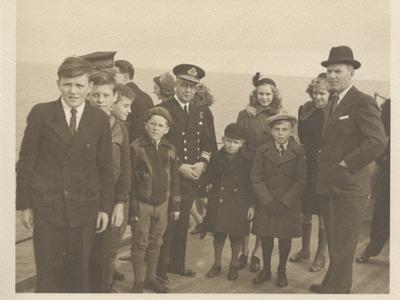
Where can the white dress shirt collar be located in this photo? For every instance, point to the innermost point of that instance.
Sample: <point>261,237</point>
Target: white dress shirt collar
<point>67,112</point>
<point>285,145</point>
<point>343,93</point>
<point>181,103</point>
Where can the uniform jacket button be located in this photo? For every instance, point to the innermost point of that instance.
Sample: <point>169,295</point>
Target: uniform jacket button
<point>185,157</point>
<point>222,188</point>
<point>184,141</point>
<point>221,200</point>
<point>185,149</point>
<point>235,190</point>
<point>65,192</point>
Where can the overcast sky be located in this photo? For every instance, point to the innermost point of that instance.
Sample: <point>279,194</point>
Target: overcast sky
<point>274,37</point>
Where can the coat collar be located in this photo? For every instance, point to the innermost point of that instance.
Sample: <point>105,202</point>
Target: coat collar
<point>58,123</point>
<point>271,152</point>
<point>307,110</point>
<point>146,141</point>
<point>343,106</point>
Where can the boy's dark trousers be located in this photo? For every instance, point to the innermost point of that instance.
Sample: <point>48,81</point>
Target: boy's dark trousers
<point>62,256</point>
<point>103,256</point>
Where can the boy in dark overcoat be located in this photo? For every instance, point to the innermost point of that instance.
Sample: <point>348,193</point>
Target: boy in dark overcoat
<point>230,198</point>
<point>278,179</point>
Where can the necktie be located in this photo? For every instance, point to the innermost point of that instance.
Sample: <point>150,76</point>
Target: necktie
<point>281,149</point>
<point>185,108</point>
<point>72,121</point>
<point>335,99</point>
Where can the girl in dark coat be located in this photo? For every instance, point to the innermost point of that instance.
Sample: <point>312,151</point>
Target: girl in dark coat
<point>229,200</point>
<point>265,101</point>
<point>311,119</point>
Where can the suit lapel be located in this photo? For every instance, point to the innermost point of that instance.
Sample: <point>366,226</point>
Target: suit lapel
<point>59,124</point>
<point>343,106</point>
<point>178,112</point>
<point>86,125</point>
<point>273,154</point>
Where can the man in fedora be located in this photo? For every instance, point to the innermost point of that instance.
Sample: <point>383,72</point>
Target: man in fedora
<point>193,139</point>
<point>353,136</point>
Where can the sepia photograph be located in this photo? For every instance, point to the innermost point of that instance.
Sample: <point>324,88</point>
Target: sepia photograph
<point>202,147</point>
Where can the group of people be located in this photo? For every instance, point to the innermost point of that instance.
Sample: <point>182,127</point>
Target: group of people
<point>102,157</point>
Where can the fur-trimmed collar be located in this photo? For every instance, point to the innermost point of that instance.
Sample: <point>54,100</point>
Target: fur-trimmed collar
<point>255,110</point>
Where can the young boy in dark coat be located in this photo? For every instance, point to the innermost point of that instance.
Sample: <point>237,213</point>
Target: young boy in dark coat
<point>278,178</point>
<point>230,198</point>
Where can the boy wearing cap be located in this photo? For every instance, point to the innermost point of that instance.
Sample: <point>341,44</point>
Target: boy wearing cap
<point>278,178</point>
<point>103,256</point>
<point>155,196</point>
<point>65,181</point>
<point>230,199</point>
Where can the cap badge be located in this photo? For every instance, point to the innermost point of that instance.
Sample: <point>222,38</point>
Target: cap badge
<point>192,71</point>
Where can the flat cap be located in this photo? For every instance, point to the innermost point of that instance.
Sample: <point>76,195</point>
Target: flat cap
<point>234,131</point>
<point>159,111</point>
<point>281,117</point>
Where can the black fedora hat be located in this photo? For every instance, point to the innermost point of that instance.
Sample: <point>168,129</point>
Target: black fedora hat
<point>341,55</point>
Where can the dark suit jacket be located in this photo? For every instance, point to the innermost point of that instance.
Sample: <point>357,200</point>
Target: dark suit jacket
<point>189,134</point>
<point>353,133</point>
<point>139,107</point>
<point>66,179</point>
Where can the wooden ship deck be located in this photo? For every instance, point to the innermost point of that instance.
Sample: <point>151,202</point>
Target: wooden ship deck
<point>371,277</point>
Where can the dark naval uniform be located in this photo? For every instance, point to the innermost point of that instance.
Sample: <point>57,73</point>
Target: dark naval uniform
<point>194,142</point>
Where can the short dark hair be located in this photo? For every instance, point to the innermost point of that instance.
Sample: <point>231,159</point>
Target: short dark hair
<point>103,78</point>
<point>74,66</point>
<point>124,91</point>
<point>125,67</point>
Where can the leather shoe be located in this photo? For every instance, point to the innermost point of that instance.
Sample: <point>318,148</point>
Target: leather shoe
<point>137,287</point>
<point>118,276</point>
<point>255,264</point>
<point>299,256</point>
<point>262,276</point>
<point>214,271</point>
<point>163,279</point>
<point>242,261</point>
<point>233,273</point>
<point>318,264</point>
<point>185,272</point>
<point>281,281</point>
<point>363,258</point>
<point>156,287</point>
<point>315,288</point>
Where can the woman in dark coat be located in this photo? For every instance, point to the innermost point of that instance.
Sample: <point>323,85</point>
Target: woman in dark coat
<point>265,101</point>
<point>311,119</point>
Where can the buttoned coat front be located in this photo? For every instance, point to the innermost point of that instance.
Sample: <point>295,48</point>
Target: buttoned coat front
<point>190,134</point>
<point>278,178</point>
<point>231,194</point>
<point>66,178</point>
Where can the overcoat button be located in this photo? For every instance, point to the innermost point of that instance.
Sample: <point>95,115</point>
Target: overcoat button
<point>221,200</point>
